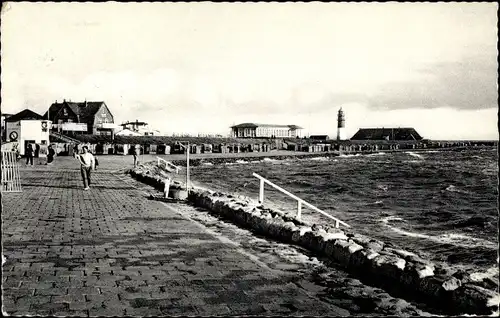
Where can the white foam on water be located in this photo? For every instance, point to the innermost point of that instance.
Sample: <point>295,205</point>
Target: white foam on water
<point>413,161</point>
<point>383,187</point>
<point>319,159</point>
<point>447,238</point>
<point>479,276</point>
<point>270,160</point>
<point>350,156</point>
<point>207,164</point>
<point>415,155</point>
<point>377,154</point>
<point>452,188</point>
<point>242,161</point>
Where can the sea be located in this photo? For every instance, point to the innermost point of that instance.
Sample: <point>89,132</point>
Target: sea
<point>442,205</point>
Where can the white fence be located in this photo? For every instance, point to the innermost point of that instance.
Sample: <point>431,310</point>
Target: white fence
<point>11,181</point>
<point>300,202</point>
<point>167,164</point>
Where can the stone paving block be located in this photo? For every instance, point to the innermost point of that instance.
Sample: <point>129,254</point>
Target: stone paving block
<point>68,298</point>
<point>71,313</point>
<point>83,291</point>
<point>52,291</point>
<point>114,248</point>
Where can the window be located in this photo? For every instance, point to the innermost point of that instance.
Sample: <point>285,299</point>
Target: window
<point>65,112</point>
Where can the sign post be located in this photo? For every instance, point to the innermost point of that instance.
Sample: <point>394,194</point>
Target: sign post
<point>187,164</point>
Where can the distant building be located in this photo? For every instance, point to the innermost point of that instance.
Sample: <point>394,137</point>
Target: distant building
<point>81,118</point>
<point>387,134</point>
<point>319,137</point>
<point>4,117</point>
<point>341,135</point>
<point>128,132</point>
<point>251,130</point>
<point>140,128</point>
<point>27,127</point>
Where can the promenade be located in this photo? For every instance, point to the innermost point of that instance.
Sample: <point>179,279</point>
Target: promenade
<point>111,251</point>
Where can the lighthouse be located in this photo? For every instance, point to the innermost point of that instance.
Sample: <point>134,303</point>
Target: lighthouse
<point>341,125</point>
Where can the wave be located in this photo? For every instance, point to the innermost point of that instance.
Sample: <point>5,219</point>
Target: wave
<point>382,187</point>
<point>349,156</point>
<point>447,238</point>
<point>320,159</point>
<point>379,202</point>
<point>413,161</point>
<point>415,155</point>
<point>207,164</point>
<point>376,154</point>
<point>266,159</point>
<point>452,188</point>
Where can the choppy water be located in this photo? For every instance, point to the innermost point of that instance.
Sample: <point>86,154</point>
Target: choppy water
<point>441,204</point>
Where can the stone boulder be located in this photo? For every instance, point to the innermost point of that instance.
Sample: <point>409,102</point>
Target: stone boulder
<point>297,235</point>
<point>470,298</point>
<point>360,260</point>
<point>387,266</point>
<point>342,251</point>
<point>360,239</point>
<point>375,245</point>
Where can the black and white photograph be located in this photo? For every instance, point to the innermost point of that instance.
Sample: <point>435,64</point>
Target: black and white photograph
<point>321,159</point>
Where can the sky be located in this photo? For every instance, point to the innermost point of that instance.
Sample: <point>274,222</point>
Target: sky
<point>202,67</point>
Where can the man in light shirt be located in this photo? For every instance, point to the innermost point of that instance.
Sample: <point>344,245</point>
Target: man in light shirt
<point>88,163</point>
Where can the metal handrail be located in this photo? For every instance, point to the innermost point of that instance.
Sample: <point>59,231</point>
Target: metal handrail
<point>168,163</point>
<point>299,200</point>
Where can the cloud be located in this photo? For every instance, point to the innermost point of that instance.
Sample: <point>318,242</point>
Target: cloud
<point>467,84</point>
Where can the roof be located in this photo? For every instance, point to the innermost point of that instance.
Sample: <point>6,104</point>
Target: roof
<point>387,134</point>
<point>253,125</point>
<point>25,115</point>
<point>127,132</point>
<point>318,136</point>
<point>137,123</point>
<point>85,110</point>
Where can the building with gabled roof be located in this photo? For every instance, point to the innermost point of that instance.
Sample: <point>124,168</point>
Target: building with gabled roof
<point>81,118</point>
<point>387,134</point>
<point>28,127</point>
<point>253,130</point>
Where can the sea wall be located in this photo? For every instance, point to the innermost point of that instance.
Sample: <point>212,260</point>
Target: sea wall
<point>374,262</point>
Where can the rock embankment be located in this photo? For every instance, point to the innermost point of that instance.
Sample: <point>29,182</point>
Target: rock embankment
<point>373,261</point>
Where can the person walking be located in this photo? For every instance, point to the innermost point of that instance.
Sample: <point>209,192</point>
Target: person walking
<point>137,152</point>
<point>29,154</point>
<point>87,162</point>
<point>50,155</point>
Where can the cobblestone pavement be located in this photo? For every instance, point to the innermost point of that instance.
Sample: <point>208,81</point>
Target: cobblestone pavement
<point>112,252</point>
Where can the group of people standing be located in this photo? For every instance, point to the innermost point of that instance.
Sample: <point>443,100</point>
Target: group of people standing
<point>34,153</point>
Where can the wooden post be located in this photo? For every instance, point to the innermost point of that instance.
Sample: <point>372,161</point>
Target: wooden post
<point>187,168</point>
<point>167,187</point>
<point>299,209</point>
<point>261,191</point>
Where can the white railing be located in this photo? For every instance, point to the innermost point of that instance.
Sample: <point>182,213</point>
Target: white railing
<point>300,202</point>
<point>167,164</point>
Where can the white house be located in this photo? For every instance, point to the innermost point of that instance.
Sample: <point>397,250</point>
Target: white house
<point>251,130</point>
<point>28,127</point>
<point>128,132</point>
